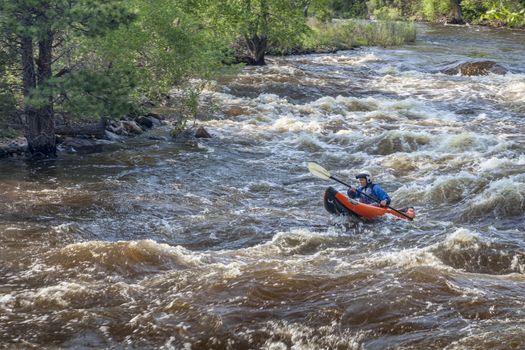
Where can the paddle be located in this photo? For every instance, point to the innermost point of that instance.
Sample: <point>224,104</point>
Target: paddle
<point>324,174</point>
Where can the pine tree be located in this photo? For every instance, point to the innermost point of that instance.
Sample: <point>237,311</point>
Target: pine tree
<point>38,29</point>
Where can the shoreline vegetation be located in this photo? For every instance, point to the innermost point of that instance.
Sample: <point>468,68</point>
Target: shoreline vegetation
<point>62,64</point>
<point>338,35</point>
<point>322,37</point>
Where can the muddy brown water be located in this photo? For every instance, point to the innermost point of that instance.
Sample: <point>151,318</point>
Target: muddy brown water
<point>224,243</point>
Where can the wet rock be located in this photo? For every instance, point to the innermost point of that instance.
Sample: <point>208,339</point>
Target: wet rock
<point>149,121</point>
<point>475,68</point>
<point>132,127</point>
<point>145,122</point>
<point>116,128</point>
<point>202,133</point>
<point>158,138</point>
<point>156,121</point>
<point>76,145</point>
<point>13,147</point>
<point>145,102</point>
<point>154,115</point>
<point>112,136</point>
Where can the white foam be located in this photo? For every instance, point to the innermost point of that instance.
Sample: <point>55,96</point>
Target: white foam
<point>291,124</point>
<point>513,89</point>
<point>457,240</point>
<point>341,60</point>
<point>500,162</point>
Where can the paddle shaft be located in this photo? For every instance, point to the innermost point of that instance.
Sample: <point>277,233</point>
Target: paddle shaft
<point>372,198</point>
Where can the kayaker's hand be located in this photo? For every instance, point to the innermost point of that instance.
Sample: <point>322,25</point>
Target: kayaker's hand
<point>353,189</point>
<point>383,203</point>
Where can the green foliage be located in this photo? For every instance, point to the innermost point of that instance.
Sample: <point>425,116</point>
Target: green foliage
<point>505,13</point>
<point>191,106</point>
<point>388,14</point>
<point>8,84</point>
<point>165,46</point>
<point>324,15</point>
<point>492,12</point>
<point>404,8</point>
<point>94,92</point>
<point>383,33</point>
<point>79,86</point>
<point>349,9</point>
<point>434,10</point>
<point>257,21</point>
<point>346,34</point>
<point>473,10</point>
<point>36,18</point>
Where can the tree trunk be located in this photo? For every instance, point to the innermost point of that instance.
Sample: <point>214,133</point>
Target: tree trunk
<point>456,17</point>
<point>28,66</point>
<point>257,46</point>
<point>40,131</point>
<point>96,129</point>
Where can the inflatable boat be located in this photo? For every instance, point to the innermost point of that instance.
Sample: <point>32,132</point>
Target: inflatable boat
<point>337,203</point>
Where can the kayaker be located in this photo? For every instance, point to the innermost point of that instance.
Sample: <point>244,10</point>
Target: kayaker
<point>369,188</point>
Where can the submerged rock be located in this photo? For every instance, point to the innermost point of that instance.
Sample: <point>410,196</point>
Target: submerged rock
<point>77,145</point>
<point>475,68</point>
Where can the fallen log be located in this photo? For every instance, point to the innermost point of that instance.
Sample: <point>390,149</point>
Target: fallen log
<point>97,129</point>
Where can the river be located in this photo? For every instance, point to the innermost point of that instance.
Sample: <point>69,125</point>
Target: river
<point>223,243</point>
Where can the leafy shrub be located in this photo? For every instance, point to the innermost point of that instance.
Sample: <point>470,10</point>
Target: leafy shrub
<point>388,14</point>
<point>345,34</point>
<point>505,14</point>
<point>433,10</point>
<point>473,10</point>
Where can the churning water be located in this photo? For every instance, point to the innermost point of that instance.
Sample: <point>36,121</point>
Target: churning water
<point>224,243</point>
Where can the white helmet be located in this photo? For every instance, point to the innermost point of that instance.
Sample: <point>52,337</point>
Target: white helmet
<point>365,174</point>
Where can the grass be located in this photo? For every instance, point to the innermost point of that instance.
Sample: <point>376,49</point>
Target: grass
<point>347,34</point>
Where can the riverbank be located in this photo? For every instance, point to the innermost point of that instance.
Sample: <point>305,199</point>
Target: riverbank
<point>323,37</point>
<point>337,34</point>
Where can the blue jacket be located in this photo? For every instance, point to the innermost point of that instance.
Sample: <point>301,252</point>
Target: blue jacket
<point>372,190</point>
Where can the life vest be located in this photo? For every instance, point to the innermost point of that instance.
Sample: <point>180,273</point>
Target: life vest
<point>368,190</point>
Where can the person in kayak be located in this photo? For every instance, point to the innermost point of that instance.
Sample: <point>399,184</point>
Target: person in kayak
<point>369,188</point>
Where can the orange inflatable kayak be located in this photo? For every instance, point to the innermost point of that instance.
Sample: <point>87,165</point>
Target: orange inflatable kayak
<point>337,203</point>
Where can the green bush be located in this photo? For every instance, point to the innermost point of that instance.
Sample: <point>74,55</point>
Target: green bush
<point>473,10</point>
<point>324,15</point>
<point>350,33</point>
<point>434,10</point>
<point>505,13</point>
<point>349,9</point>
<point>388,14</point>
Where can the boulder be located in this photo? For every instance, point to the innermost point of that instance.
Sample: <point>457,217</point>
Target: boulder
<point>132,127</point>
<point>156,121</point>
<point>202,133</point>
<point>154,115</point>
<point>13,147</point>
<point>474,68</point>
<point>112,136</point>
<point>145,122</point>
<point>116,128</point>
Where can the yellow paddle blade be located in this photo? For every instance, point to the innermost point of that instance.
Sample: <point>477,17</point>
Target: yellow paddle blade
<point>318,171</point>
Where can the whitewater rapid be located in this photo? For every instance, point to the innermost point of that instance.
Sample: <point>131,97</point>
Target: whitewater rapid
<point>224,243</point>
